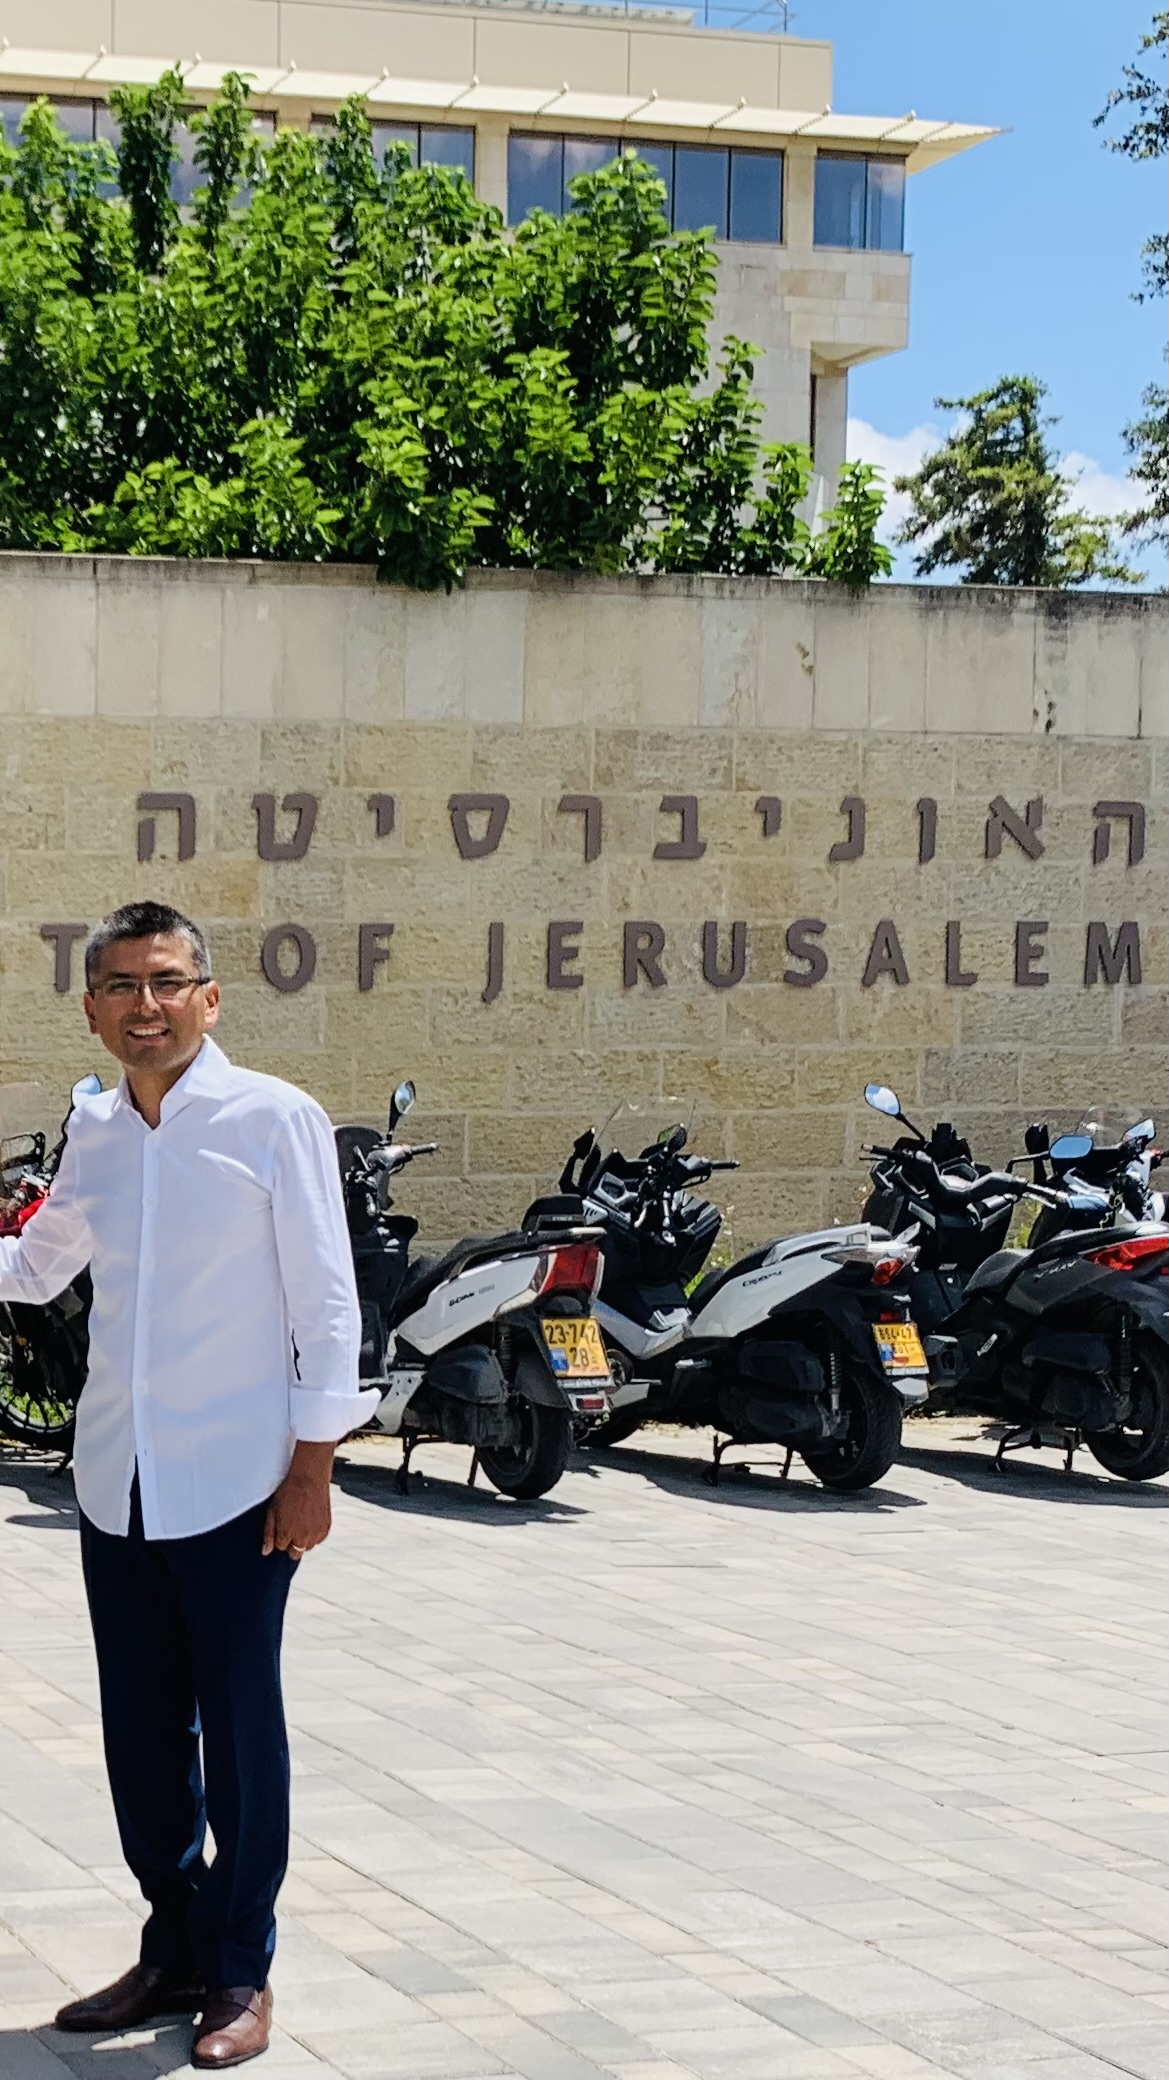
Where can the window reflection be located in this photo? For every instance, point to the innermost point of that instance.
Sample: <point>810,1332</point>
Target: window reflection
<point>736,192</point>
<point>860,201</point>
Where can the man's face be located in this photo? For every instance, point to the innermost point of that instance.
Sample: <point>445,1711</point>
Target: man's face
<point>161,1029</point>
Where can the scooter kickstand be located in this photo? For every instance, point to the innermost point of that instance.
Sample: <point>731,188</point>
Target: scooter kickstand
<point>474,1469</point>
<point>402,1477</point>
<point>787,1464</point>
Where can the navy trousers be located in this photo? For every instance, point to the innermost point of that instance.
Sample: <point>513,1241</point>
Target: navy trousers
<point>187,1632</point>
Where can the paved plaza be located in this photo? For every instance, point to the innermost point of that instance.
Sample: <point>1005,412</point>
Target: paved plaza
<point>654,1782</point>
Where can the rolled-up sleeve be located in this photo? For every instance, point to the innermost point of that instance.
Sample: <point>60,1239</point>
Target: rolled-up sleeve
<point>52,1247</point>
<point>316,1269</point>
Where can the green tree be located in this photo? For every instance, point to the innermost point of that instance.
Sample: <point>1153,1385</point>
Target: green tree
<point>1146,102</point>
<point>993,504</point>
<point>328,358</point>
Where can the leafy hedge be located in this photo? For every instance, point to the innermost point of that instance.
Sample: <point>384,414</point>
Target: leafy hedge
<point>333,360</point>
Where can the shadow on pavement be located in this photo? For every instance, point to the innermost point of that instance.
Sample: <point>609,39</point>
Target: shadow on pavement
<point>37,1476</point>
<point>29,2051</point>
<point>432,1495</point>
<point>1035,1474</point>
<point>757,1489</point>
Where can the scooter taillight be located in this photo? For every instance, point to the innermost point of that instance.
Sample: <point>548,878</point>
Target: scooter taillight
<point>886,1269</point>
<point>575,1267</point>
<point>13,1219</point>
<point>1125,1256</point>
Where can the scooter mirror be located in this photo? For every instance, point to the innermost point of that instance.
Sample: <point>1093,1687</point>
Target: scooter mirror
<point>1035,1140</point>
<point>401,1102</point>
<point>1141,1133</point>
<point>1071,1147</point>
<point>85,1087</point>
<point>882,1099</point>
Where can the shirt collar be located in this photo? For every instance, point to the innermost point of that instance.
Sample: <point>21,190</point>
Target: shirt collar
<point>205,1077</point>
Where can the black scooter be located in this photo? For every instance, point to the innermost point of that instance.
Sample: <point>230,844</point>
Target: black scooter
<point>1042,1304</point>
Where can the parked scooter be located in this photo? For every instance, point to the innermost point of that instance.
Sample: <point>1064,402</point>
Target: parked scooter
<point>806,1343</point>
<point>44,1351</point>
<point>1042,1303</point>
<point>492,1345</point>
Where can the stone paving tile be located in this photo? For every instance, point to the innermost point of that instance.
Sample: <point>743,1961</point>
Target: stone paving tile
<point>653,1782</point>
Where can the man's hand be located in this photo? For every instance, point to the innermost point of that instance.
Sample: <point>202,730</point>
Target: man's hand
<point>301,1512</point>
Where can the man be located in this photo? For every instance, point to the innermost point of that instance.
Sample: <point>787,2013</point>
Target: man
<point>224,1340</point>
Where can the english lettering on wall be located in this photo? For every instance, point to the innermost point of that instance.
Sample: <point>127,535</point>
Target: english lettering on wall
<point>287,952</point>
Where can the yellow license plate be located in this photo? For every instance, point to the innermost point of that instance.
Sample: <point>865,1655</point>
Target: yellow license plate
<point>575,1348</point>
<point>900,1347</point>
<point>1024,1214</point>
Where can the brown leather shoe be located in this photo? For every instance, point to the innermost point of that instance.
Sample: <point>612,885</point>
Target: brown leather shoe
<point>234,2025</point>
<point>138,1996</point>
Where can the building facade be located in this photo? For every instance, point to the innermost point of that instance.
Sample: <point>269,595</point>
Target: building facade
<point>808,205</point>
<point>721,849</point>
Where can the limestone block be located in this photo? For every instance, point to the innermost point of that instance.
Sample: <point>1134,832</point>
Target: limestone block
<point>1144,1017</point>
<point>763,1207</point>
<point>17,668</point>
<point>522,1143</point>
<point>556,759</point>
<point>390,888</point>
<point>190,649</point>
<point>803,762</point>
<point>788,1140</point>
<point>436,660</point>
<point>1154,676</point>
<point>1116,770</point>
<point>663,1017</point>
<point>127,641</point>
<point>255,1017</point>
<point>253,648</point>
<point>582,1082</point>
<point>777,1015</point>
<point>494,631</point>
<point>374,654</point>
<point>758,890</point>
<point>897,669</point>
<point>737,1076</point>
<point>305,890</point>
<point>730,661</point>
<point>1125,1079</point>
<point>194,754</point>
<point>516,1019</point>
<point>399,758</point>
<point>888,1016</point>
<point>677,761</point>
<point>838,1075</point>
<point>1036,1016</point>
<point>447,1072</point>
<point>304,755</point>
<point>64,644</point>
<point>980,659</point>
<point>786,676</point>
<point>841,692</point>
<point>310,688</point>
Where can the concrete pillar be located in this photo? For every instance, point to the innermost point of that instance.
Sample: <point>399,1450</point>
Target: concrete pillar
<point>830,434</point>
<point>491,161</point>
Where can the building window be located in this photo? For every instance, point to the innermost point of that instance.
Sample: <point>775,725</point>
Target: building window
<point>736,193</point>
<point>428,144</point>
<point>84,121</point>
<point>860,202</point>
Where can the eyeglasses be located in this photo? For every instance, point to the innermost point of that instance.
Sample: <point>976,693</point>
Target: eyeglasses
<point>165,989</point>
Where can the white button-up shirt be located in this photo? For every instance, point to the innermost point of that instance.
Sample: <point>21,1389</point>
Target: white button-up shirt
<point>225,1322</point>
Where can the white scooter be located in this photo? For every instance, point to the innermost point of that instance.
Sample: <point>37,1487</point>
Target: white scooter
<point>806,1343</point>
<point>492,1345</point>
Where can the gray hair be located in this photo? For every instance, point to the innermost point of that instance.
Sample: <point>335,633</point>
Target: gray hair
<point>143,921</point>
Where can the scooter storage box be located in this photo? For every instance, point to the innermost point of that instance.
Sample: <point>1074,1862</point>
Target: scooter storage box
<point>468,1372</point>
<point>785,1366</point>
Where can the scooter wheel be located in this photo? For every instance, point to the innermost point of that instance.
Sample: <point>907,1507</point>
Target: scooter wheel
<point>1141,1451</point>
<point>873,1439</point>
<point>535,1464</point>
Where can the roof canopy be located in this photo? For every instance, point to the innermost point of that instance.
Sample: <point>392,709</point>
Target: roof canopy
<point>922,142</point>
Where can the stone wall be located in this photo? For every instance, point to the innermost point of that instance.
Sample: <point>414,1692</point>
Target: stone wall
<point>759,709</point>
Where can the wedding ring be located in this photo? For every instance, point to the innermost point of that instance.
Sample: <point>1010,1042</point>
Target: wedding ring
<point>296,1552</point>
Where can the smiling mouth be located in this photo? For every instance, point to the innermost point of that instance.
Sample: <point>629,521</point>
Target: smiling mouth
<point>148,1032</point>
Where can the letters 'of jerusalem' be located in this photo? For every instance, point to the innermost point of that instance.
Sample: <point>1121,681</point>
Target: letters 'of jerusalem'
<point>287,952</point>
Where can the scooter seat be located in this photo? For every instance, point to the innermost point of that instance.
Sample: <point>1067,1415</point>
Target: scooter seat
<point>996,1271</point>
<point>425,1273</point>
<point>707,1287</point>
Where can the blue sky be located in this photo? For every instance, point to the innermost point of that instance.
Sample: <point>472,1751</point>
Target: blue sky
<point>1025,249</point>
